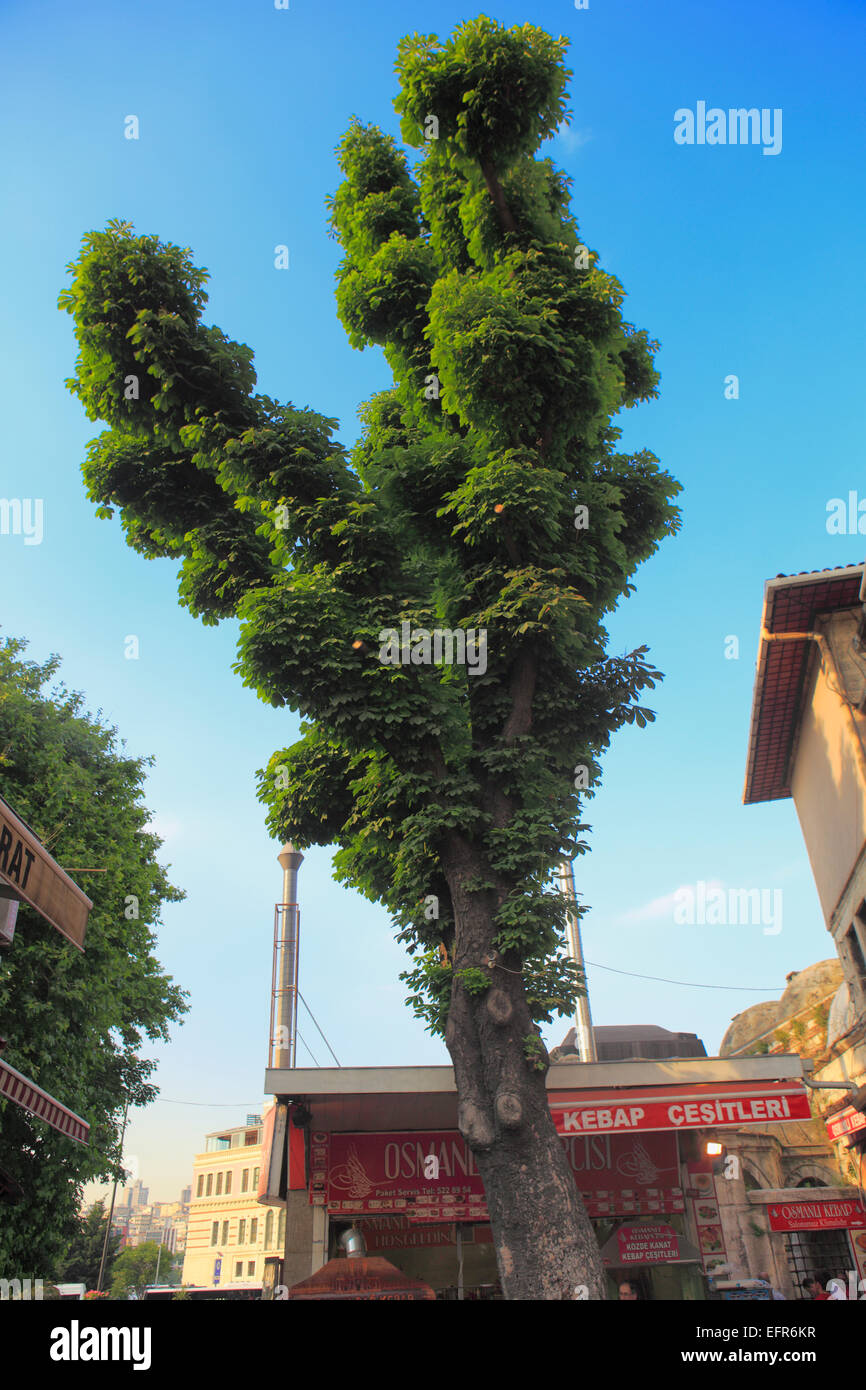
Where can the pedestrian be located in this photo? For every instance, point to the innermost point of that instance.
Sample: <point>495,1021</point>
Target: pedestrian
<point>628,1291</point>
<point>815,1288</point>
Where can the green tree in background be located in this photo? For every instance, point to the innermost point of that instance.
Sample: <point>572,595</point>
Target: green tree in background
<point>80,1264</point>
<point>75,1022</point>
<point>485,494</point>
<point>136,1266</point>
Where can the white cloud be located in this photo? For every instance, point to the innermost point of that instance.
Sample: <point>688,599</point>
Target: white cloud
<point>660,908</point>
<point>168,828</point>
<point>572,138</point>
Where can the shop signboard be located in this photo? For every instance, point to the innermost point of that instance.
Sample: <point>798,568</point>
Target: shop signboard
<point>641,1245</point>
<point>817,1216</point>
<point>28,870</point>
<point>432,1176</point>
<point>846,1121</point>
<point>694,1107</point>
<point>399,1233</point>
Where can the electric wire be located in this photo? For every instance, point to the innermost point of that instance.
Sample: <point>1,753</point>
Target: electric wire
<point>689,984</point>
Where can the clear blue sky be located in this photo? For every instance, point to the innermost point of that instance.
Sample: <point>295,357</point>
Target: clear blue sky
<point>738,262</point>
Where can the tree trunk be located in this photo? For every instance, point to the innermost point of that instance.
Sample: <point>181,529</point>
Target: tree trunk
<point>545,1245</point>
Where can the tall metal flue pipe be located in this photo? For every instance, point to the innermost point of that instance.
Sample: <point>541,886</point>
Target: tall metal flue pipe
<point>287,922</point>
<point>583,1016</point>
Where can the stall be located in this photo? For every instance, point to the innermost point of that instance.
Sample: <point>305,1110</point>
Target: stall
<point>380,1148</point>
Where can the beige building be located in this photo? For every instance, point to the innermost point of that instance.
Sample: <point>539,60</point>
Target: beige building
<point>808,741</point>
<point>229,1234</point>
<point>781,1165</point>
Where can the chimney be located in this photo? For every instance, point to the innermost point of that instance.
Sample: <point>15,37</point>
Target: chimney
<point>284,1005</point>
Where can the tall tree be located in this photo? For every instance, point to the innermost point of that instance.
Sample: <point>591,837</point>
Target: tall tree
<point>75,1022</point>
<point>81,1260</point>
<point>485,495</point>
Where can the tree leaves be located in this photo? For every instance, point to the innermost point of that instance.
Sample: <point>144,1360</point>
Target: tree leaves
<point>75,1023</point>
<point>483,494</point>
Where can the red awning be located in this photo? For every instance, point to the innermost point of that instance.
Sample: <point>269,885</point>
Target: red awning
<point>38,1102</point>
<point>711,1106</point>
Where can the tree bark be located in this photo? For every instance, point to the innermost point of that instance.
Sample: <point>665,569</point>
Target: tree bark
<point>497,196</point>
<point>545,1245</point>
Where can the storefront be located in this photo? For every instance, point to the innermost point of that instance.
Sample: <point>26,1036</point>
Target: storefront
<point>29,874</point>
<point>380,1148</point>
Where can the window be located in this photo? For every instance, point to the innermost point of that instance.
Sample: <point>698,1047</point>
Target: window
<point>853,942</point>
<point>242,1231</point>
<point>228,1183</point>
<point>219,1184</point>
<point>214,1233</point>
<point>225,1233</point>
<point>255,1179</point>
<point>245,1180</point>
<point>239,1268</point>
<point>269,1230</point>
<point>816,1254</point>
<point>251,1137</point>
<point>281,1230</point>
<point>209,1184</point>
<point>254,1230</point>
<point>251,1267</point>
<point>200,1188</point>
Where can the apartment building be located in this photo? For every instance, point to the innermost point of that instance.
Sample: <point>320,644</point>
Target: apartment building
<point>229,1235</point>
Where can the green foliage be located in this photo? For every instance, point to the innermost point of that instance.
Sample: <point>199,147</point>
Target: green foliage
<point>456,509</point>
<point>75,1022</point>
<point>83,1256</point>
<point>535,1052</point>
<point>135,1268</point>
<point>474,981</point>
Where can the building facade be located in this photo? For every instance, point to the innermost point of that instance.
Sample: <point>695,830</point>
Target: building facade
<point>380,1149</point>
<point>229,1235</point>
<point>807,741</point>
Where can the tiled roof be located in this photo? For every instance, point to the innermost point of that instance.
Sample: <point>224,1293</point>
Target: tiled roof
<point>792,603</point>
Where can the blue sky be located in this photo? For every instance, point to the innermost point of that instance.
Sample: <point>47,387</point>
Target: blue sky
<point>738,262</point>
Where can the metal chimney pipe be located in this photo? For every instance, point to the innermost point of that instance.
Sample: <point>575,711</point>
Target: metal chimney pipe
<point>583,1017</point>
<point>286,945</point>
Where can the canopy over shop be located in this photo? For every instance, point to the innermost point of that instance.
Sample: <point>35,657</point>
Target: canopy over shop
<point>380,1148</point>
<point>29,874</point>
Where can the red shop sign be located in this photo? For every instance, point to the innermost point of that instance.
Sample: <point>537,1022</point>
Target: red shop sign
<point>847,1121</point>
<point>431,1176</point>
<point>816,1216</point>
<point>687,1107</point>
<point>642,1245</point>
